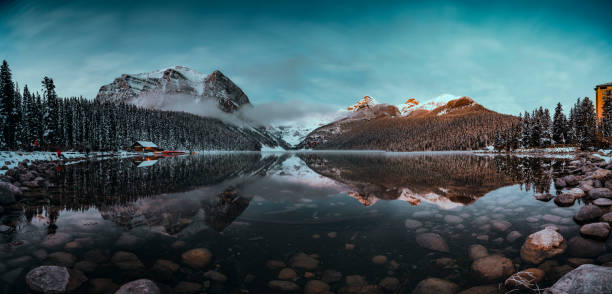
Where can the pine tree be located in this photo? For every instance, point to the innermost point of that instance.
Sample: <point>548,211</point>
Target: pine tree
<point>546,139</point>
<point>50,114</point>
<point>7,107</point>
<point>526,130</point>
<point>585,123</point>
<point>606,121</point>
<point>559,128</point>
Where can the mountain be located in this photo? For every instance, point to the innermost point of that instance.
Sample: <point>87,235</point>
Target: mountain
<point>161,89</point>
<point>439,124</point>
<point>182,88</point>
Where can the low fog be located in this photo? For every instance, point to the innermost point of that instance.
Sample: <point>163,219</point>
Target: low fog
<point>287,113</point>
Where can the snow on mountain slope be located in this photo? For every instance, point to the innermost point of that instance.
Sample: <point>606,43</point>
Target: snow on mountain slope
<point>163,89</point>
<point>413,105</point>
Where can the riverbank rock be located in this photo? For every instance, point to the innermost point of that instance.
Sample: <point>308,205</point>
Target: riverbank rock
<point>284,286</point>
<point>607,217</point>
<point>576,192</point>
<point>545,197</point>
<point>7,194</point>
<point>142,286</point>
<point>600,193</point>
<point>525,279</point>
<point>588,213</point>
<point>304,261</point>
<point>581,247</point>
<point>492,268</point>
<point>197,258</point>
<point>435,286</point>
<point>48,279</point>
<point>585,279</point>
<point>570,180</point>
<point>432,241</point>
<point>565,200</point>
<point>599,230</point>
<point>603,202</point>
<point>542,245</point>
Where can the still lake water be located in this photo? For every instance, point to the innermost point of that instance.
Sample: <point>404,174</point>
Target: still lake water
<point>253,210</point>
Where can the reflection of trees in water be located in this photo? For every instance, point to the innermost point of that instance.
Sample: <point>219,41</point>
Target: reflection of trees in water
<point>459,177</point>
<point>533,173</point>
<point>221,211</point>
<point>113,185</point>
<point>118,181</point>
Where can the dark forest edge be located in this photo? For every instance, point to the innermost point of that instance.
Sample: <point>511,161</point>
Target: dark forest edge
<point>35,121</point>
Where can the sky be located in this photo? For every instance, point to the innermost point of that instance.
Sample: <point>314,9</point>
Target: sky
<point>508,56</point>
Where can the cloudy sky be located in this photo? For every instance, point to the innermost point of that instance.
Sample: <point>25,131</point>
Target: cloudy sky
<point>508,57</point>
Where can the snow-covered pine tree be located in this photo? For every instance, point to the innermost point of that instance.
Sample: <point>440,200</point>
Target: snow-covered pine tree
<point>559,127</point>
<point>546,139</point>
<point>586,123</point>
<point>50,114</point>
<point>536,128</point>
<point>526,130</point>
<point>18,118</point>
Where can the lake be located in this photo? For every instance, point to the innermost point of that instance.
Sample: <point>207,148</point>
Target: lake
<point>352,219</point>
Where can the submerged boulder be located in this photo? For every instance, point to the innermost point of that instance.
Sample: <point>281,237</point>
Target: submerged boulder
<point>435,286</point>
<point>582,247</point>
<point>542,245</point>
<point>142,286</point>
<point>588,213</point>
<point>197,258</point>
<point>586,279</point>
<point>48,279</point>
<point>432,241</point>
<point>599,230</point>
<point>492,268</point>
<point>525,279</point>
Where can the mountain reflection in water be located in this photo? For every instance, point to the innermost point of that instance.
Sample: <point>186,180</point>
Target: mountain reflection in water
<point>236,200</point>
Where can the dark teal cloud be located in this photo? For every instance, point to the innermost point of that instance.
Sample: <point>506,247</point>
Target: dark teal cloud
<point>508,56</point>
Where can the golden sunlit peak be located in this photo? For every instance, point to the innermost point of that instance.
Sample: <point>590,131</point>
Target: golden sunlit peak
<point>367,101</point>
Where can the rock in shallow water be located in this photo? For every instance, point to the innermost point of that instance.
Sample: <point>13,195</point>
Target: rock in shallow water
<point>435,286</point>
<point>599,230</point>
<point>525,279</point>
<point>432,241</point>
<point>486,289</point>
<point>316,287</point>
<point>477,251</point>
<point>304,261</point>
<point>581,247</point>
<point>126,261</point>
<point>492,268</point>
<point>142,286</point>
<point>412,224</point>
<point>588,213</point>
<point>586,279</point>
<point>48,279</point>
<point>197,258</point>
<point>284,286</point>
<point>542,245</point>
<point>600,193</point>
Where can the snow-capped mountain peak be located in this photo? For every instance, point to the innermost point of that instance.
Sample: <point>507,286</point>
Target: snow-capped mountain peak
<point>173,85</point>
<point>412,104</point>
